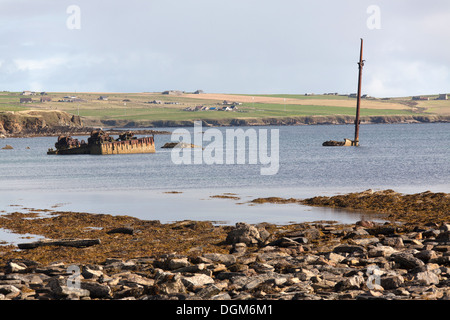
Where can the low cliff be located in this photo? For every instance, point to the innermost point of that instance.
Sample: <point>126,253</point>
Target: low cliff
<point>33,122</point>
<point>39,123</point>
<point>279,121</point>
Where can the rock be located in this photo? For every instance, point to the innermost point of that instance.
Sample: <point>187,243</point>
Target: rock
<point>118,264</point>
<point>77,243</point>
<point>365,241</point>
<point>131,279</point>
<point>407,260</point>
<point>7,147</point>
<point>391,282</point>
<point>197,280</point>
<point>89,273</point>
<point>351,283</point>
<point>384,230</point>
<point>175,263</point>
<point>59,288</point>
<point>285,242</point>
<point>347,248</point>
<point>427,278</point>
<point>9,291</point>
<point>129,293</point>
<point>262,267</point>
<point>169,283</point>
<point>381,251</point>
<point>170,145</point>
<point>209,291</point>
<point>247,234</point>
<point>358,233</point>
<point>305,274</point>
<point>96,290</point>
<point>124,230</point>
<point>334,257</point>
<point>365,224</point>
<point>196,268</point>
<point>226,259</point>
<point>312,233</point>
<point>13,267</point>
<point>253,284</point>
<point>324,285</point>
<point>432,233</point>
<point>221,296</point>
<point>444,236</point>
<point>239,248</point>
<point>426,255</point>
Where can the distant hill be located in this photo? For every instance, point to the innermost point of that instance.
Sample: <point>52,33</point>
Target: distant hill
<point>162,109</point>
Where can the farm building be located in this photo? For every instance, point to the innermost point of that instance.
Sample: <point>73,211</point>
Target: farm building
<point>46,99</point>
<point>28,93</point>
<point>420,98</point>
<point>442,97</point>
<point>231,103</point>
<point>26,100</point>
<point>173,92</point>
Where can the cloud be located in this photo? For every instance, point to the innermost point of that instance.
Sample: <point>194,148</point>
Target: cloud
<point>251,46</point>
<point>37,65</point>
<point>403,78</point>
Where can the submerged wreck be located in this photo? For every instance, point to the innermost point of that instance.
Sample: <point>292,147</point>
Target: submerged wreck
<point>332,143</point>
<point>355,142</point>
<point>101,142</point>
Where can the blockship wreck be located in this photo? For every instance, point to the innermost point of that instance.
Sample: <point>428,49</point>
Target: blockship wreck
<point>101,142</point>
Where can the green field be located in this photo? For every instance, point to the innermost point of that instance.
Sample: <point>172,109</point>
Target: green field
<point>136,106</point>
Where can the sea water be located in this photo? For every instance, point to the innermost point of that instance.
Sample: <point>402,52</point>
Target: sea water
<point>407,158</point>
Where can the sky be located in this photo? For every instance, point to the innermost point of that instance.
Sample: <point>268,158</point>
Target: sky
<point>233,46</point>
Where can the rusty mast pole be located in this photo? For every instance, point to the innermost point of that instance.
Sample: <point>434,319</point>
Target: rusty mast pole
<point>358,104</point>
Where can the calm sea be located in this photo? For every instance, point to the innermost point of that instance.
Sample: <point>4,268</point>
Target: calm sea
<point>408,158</point>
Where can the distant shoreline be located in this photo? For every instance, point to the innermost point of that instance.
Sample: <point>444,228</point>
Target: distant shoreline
<point>275,121</point>
<point>55,123</point>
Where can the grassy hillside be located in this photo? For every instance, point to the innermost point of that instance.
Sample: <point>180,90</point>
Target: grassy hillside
<point>136,106</point>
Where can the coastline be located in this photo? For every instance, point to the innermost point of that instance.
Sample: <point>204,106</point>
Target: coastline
<point>55,123</point>
<point>145,259</point>
<point>274,121</point>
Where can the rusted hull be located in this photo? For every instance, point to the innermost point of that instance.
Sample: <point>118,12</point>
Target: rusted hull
<point>76,150</point>
<point>142,145</point>
<point>345,143</point>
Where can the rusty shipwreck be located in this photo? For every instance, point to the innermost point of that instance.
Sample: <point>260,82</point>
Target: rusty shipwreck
<point>101,142</point>
<point>355,142</point>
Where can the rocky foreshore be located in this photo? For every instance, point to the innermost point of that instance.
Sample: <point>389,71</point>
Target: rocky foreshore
<point>308,261</point>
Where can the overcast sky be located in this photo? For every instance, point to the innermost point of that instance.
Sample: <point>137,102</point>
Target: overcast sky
<point>232,46</point>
